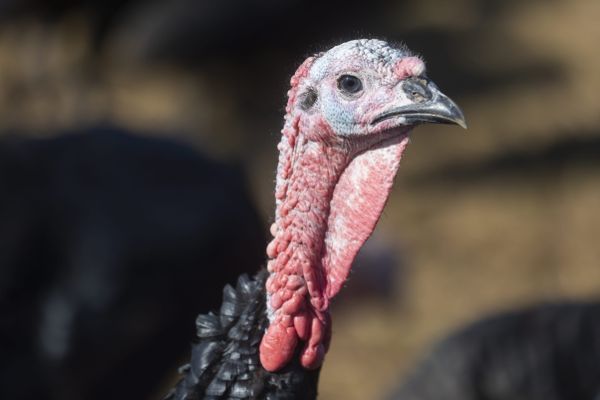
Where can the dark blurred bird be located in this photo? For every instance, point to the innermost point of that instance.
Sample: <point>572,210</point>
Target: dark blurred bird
<point>349,114</point>
<point>103,240</point>
<point>547,352</point>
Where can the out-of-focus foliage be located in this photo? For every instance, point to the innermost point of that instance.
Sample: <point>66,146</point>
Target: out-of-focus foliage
<point>500,216</point>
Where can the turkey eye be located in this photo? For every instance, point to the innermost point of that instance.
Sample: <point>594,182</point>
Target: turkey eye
<point>349,84</point>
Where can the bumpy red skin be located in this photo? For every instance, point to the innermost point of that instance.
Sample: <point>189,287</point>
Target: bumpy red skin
<point>296,251</point>
<point>329,199</point>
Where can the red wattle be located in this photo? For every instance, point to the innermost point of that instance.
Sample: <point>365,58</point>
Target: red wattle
<point>277,346</point>
<point>330,191</point>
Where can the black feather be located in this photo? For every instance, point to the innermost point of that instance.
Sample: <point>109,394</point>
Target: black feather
<point>208,325</point>
<point>225,361</point>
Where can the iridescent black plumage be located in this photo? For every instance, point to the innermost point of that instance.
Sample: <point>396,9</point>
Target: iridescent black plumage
<point>549,352</point>
<point>225,363</point>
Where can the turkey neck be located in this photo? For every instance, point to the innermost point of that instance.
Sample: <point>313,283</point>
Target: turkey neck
<point>297,304</point>
<point>329,196</point>
<point>305,187</point>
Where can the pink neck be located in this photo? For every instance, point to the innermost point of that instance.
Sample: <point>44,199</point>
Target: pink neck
<point>328,202</point>
<point>329,196</point>
<point>308,172</point>
<point>357,203</point>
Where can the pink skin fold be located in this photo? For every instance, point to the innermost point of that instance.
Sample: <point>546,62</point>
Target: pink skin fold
<point>331,190</point>
<point>317,242</point>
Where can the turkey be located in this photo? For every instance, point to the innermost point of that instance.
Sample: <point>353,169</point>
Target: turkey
<point>349,113</point>
<point>100,239</point>
<point>547,352</point>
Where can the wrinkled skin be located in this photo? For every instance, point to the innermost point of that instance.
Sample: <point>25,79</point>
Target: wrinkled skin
<point>349,113</point>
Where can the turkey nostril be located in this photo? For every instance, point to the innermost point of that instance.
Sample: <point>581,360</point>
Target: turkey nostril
<point>417,97</point>
<point>416,90</point>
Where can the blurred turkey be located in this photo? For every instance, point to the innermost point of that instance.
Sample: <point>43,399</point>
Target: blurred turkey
<point>547,352</point>
<point>104,238</point>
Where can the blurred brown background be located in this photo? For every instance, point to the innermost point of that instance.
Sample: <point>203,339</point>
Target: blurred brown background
<point>501,216</point>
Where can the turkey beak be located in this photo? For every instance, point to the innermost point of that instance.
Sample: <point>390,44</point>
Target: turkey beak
<point>430,106</point>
